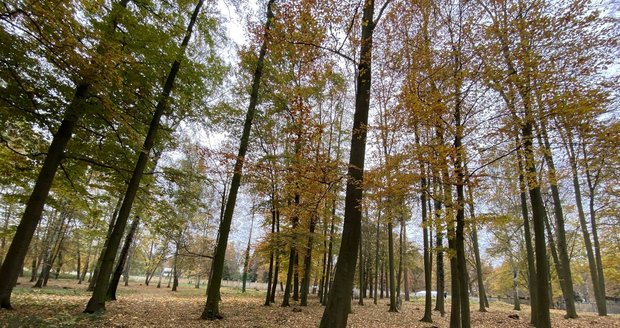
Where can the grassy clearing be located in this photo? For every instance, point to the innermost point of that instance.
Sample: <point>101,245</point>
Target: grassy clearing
<point>61,303</point>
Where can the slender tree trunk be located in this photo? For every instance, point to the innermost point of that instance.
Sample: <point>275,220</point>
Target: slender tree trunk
<point>361,268</point>
<point>461,262</point>
<point>277,256</point>
<point>211,310</point>
<point>296,278</point>
<point>401,260</point>
<point>393,307</point>
<point>538,217</point>
<point>289,277</point>
<point>79,261</point>
<point>515,287</point>
<point>175,269</point>
<point>97,301</point>
<point>440,300</point>
<point>161,274</point>
<point>554,253</point>
<point>339,303</point>
<point>127,269</point>
<point>330,258</point>
<point>531,265</point>
<point>565,274</point>
<point>59,266</point>
<point>582,222</point>
<point>427,255</point>
<point>246,261</point>
<point>324,263</point>
<point>592,180</point>
<point>377,258</point>
<point>305,283</point>
<point>474,237</point>
<point>86,263</point>
<point>116,276</point>
<point>455,303</point>
<point>272,250</point>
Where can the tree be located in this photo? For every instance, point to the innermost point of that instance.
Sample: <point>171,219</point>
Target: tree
<point>75,110</point>
<point>337,309</point>
<point>211,310</point>
<point>97,301</point>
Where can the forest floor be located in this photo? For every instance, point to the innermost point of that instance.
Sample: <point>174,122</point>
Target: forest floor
<point>60,304</point>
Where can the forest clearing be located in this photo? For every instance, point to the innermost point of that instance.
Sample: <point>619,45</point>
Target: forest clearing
<point>60,305</point>
<point>366,163</point>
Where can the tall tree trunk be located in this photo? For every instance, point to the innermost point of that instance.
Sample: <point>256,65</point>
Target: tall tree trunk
<point>461,262</point>
<point>246,261</point>
<point>323,263</point>
<point>86,263</point>
<point>339,303</point>
<point>582,222</point>
<point>482,299</point>
<point>515,287</point>
<point>127,269</point>
<point>393,307</point>
<point>440,300</point>
<point>427,254</point>
<point>14,258</point>
<point>289,278</point>
<point>592,180</point>
<point>455,303</point>
<point>175,269</point>
<point>538,218</point>
<point>79,261</point>
<point>401,260</point>
<point>305,282</point>
<point>377,258</point>
<point>98,299</point>
<point>361,268</point>
<point>211,310</point>
<point>531,264</point>
<point>330,258</point>
<point>276,271</point>
<point>272,249</point>
<point>296,278</point>
<point>554,254</point>
<point>116,276</point>
<point>565,274</point>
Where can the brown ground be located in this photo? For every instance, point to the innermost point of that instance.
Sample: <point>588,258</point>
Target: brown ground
<point>61,303</point>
